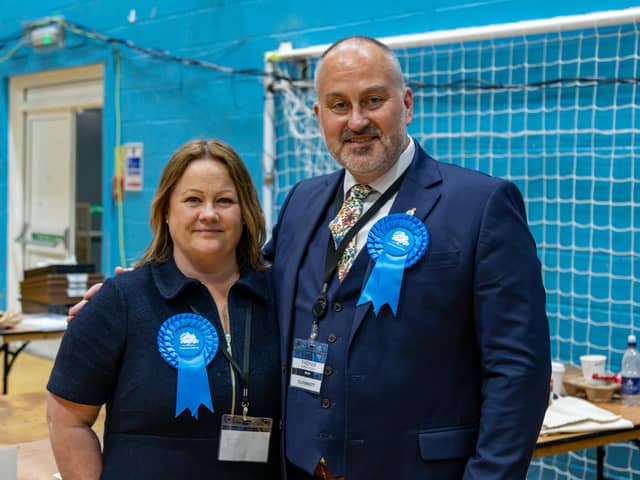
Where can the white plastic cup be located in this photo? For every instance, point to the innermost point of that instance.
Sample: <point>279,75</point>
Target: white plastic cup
<point>557,373</point>
<point>593,364</point>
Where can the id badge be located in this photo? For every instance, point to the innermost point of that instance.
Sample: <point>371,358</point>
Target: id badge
<point>244,440</point>
<point>307,364</point>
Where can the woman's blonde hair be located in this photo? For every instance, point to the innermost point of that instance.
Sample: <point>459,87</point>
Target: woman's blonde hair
<point>248,251</point>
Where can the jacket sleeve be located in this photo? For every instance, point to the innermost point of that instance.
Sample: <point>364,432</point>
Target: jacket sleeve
<point>512,332</point>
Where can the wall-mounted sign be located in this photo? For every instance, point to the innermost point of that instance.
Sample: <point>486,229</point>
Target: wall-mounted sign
<point>132,154</point>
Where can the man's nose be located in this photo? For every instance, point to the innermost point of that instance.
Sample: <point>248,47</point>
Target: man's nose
<point>358,119</point>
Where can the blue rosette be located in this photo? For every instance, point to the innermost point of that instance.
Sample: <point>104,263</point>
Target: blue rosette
<point>395,242</point>
<point>188,342</point>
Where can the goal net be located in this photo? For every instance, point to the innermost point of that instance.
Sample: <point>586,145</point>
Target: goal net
<point>554,107</point>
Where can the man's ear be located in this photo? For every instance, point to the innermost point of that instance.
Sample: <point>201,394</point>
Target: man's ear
<point>408,105</point>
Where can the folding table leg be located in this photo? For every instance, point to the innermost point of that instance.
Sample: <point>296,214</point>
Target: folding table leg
<point>9,358</point>
<point>600,452</point>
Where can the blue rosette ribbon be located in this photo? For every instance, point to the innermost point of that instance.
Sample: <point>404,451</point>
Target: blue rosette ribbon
<point>188,342</point>
<point>395,242</point>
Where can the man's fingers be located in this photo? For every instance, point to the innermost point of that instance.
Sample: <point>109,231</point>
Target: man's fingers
<point>75,309</point>
<point>119,270</point>
<point>90,293</point>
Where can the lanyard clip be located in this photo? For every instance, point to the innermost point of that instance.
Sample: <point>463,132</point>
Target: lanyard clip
<point>319,308</point>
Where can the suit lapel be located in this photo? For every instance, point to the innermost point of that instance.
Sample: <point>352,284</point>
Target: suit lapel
<point>419,190</point>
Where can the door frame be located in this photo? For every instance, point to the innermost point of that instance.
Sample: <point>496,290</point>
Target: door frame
<point>87,85</point>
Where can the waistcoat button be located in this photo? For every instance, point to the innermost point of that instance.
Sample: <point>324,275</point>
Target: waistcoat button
<point>325,403</point>
<point>337,307</point>
<point>331,338</point>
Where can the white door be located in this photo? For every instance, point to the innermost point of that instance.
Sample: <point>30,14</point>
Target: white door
<point>42,112</point>
<point>49,188</point>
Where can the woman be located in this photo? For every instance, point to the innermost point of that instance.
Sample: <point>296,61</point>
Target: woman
<point>164,345</point>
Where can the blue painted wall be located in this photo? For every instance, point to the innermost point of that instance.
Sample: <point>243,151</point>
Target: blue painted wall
<point>164,104</point>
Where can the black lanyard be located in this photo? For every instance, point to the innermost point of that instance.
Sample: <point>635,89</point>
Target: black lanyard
<point>242,372</point>
<point>319,308</point>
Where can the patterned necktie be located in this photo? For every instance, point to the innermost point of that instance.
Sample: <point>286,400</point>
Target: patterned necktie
<point>347,217</point>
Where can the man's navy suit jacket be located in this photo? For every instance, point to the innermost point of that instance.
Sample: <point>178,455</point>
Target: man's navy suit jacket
<point>456,384</point>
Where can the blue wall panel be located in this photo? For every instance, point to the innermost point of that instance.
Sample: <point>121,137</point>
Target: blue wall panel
<point>165,104</point>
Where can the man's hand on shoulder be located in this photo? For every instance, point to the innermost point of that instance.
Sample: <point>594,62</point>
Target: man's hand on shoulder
<point>73,311</point>
<point>120,270</point>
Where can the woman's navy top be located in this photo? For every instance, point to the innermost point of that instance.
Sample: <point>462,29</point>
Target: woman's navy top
<point>109,354</point>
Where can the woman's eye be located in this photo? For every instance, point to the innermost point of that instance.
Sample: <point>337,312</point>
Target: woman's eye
<point>225,201</point>
<point>192,200</point>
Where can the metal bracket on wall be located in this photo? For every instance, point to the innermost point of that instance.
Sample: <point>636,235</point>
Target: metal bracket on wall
<point>42,239</point>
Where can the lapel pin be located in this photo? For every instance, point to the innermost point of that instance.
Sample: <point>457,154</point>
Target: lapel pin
<point>411,212</point>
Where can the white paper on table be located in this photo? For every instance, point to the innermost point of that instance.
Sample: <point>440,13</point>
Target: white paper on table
<point>44,321</point>
<point>573,415</point>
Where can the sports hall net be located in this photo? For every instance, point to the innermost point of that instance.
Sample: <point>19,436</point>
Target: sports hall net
<point>552,106</point>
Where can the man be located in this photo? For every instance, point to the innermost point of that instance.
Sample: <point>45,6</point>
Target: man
<point>453,382</point>
<point>450,381</point>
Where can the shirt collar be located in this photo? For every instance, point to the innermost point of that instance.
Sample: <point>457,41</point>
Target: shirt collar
<point>170,281</point>
<point>385,181</point>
